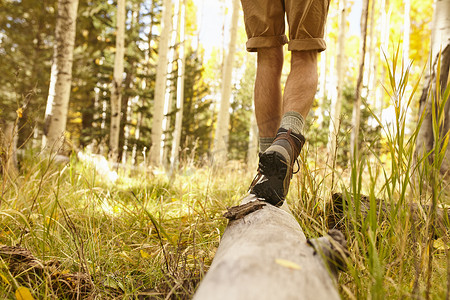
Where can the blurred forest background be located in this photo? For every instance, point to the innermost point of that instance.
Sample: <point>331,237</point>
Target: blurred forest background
<point>117,103</point>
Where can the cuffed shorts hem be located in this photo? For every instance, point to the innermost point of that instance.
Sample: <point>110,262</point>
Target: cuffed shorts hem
<point>265,42</point>
<point>307,44</point>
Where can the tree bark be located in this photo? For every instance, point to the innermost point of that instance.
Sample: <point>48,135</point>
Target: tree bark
<point>116,86</point>
<point>61,77</point>
<point>336,102</point>
<point>220,148</point>
<point>174,157</point>
<point>160,85</point>
<point>169,89</point>
<point>252,153</point>
<point>406,30</point>
<point>263,254</point>
<point>356,116</point>
<point>440,41</point>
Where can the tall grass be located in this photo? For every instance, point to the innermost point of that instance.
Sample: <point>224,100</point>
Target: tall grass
<point>152,236</point>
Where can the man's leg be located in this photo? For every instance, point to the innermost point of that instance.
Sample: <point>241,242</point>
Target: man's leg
<point>301,84</point>
<point>268,100</point>
<point>276,163</point>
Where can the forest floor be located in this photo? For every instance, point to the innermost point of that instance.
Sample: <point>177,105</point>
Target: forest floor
<point>68,230</point>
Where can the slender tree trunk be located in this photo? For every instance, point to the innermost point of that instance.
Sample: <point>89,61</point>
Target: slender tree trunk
<point>220,148</point>
<point>116,86</point>
<point>323,92</point>
<point>145,83</point>
<point>252,154</point>
<point>126,131</point>
<point>336,102</point>
<point>384,44</point>
<point>356,116</point>
<point>169,89</point>
<point>160,84</point>
<point>406,30</point>
<point>174,159</point>
<point>440,41</point>
<point>372,63</point>
<point>61,77</point>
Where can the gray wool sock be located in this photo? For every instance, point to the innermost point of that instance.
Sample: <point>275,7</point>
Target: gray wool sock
<point>294,121</point>
<point>265,142</point>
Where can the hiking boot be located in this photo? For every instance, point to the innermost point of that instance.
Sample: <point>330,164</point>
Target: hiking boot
<point>275,167</point>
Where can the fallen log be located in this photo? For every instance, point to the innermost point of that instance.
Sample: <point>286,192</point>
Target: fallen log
<point>418,213</point>
<point>264,254</point>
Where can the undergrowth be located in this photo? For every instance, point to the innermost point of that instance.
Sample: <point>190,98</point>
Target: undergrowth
<point>148,236</point>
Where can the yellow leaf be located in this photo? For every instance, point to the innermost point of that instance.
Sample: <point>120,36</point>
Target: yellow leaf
<point>440,244</point>
<point>287,264</point>
<point>5,279</point>
<point>144,254</point>
<point>22,293</point>
<point>19,112</point>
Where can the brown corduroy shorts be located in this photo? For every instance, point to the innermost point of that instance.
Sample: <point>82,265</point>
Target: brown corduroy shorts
<point>264,23</point>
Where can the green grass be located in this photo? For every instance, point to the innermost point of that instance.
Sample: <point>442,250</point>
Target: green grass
<point>153,235</point>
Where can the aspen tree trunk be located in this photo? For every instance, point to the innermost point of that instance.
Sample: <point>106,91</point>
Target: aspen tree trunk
<point>336,102</point>
<point>323,93</point>
<point>440,41</point>
<point>372,63</point>
<point>174,158</point>
<point>356,116</point>
<point>220,148</point>
<point>126,134</point>
<point>61,77</point>
<point>160,84</point>
<point>252,154</point>
<point>384,44</point>
<point>406,30</point>
<point>169,91</point>
<point>116,86</point>
<point>148,66</point>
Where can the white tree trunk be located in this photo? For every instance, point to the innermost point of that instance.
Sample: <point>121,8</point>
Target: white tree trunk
<point>336,102</point>
<point>252,153</point>
<point>116,86</point>
<point>440,31</point>
<point>160,84</point>
<point>372,63</point>
<point>169,91</point>
<point>61,77</point>
<point>220,148</point>
<point>126,134</point>
<point>356,116</point>
<point>440,41</point>
<point>384,44</point>
<point>406,30</point>
<point>323,79</point>
<point>174,158</point>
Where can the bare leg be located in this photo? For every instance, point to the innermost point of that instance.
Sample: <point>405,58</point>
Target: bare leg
<point>277,161</point>
<point>301,83</point>
<point>268,101</point>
